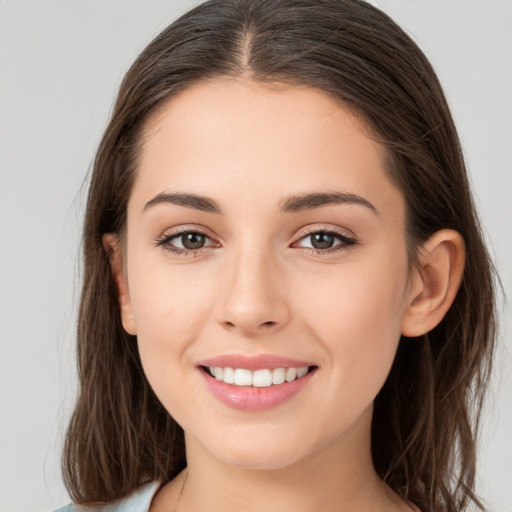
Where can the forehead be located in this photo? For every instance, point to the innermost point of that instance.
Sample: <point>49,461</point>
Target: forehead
<point>229,135</point>
<point>241,104</point>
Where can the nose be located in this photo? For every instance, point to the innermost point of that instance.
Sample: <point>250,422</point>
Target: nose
<point>253,297</point>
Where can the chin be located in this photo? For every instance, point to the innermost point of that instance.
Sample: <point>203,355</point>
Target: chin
<point>258,460</point>
<point>261,452</point>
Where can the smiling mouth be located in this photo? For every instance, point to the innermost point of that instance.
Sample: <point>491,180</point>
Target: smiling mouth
<point>262,378</point>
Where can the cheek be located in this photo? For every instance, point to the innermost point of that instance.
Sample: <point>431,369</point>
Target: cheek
<point>170,306</point>
<point>356,315</point>
<point>168,300</point>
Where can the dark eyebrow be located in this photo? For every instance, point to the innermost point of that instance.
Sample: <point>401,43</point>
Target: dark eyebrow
<point>204,204</point>
<point>319,199</point>
<point>290,205</point>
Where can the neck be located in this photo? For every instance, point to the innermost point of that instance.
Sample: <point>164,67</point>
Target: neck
<point>339,476</point>
<point>305,486</point>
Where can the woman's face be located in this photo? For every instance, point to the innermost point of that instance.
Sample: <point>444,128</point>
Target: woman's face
<point>264,236</point>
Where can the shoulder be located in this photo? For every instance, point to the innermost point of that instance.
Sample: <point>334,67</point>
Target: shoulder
<point>138,501</point>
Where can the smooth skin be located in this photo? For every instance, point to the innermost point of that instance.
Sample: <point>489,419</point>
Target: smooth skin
<point>257,282</point>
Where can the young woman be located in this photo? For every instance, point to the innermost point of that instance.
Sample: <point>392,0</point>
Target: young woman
<point>287,303</point>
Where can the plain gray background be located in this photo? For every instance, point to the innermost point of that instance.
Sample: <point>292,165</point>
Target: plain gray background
<point>61,63</point>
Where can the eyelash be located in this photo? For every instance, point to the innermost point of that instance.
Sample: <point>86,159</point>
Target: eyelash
<point>345,240</point>
<point>165,242</point>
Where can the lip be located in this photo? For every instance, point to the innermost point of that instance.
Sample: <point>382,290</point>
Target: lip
<point>250,398</point>
<point>253,363</point>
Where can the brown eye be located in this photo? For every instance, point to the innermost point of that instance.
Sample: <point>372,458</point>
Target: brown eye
<point>186,242</point>
<point>322,240</point>
<point>192,240</point>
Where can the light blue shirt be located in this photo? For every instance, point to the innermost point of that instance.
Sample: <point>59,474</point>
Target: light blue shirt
<point>138,501</point>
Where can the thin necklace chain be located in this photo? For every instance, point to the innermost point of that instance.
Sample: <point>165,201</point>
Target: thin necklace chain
<point>181,492</point>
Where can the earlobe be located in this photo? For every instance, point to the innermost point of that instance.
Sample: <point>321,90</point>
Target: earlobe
<point>112,247</point>
<point>435,283</point>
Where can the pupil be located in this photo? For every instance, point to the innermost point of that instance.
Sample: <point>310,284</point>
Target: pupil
<point>192,240</point>
<point>322,240</point>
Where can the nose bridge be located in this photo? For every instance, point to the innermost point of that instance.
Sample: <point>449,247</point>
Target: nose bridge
<point>252,300</point>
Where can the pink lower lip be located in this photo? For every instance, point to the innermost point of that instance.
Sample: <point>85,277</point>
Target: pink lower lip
<point>250,398</point>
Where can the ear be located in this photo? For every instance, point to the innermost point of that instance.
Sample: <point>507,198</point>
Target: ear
<point>435,283</point>
<point>112,247</point>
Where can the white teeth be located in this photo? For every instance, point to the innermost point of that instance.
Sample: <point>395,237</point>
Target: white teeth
<point>219,373</point>
<point>262,378</point>
<point>301,372</point>
<point>243,377</point>
<point>229,376</point>
<point>278,376</point>
<point>291,374</point>
<point>259,378</point>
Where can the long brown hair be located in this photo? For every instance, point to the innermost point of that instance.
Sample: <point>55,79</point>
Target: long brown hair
<point>426,415</point>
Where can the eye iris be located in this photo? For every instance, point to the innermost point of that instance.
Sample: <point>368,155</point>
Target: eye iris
<point>322,240</point>
<point>192,240</point>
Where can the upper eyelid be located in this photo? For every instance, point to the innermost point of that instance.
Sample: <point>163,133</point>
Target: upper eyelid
<point>328,229</point>
<point>309,230</point>
<point>172,232</point>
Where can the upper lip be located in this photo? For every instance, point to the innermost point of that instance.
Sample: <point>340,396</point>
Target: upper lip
<point>252,363</point>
